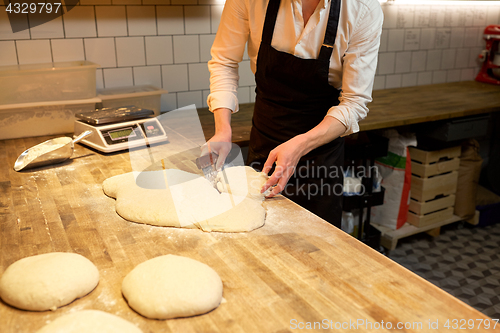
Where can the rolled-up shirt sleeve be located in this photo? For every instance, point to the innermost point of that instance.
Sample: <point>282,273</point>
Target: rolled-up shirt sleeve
<point>227,51</point>
<point>358,70</point>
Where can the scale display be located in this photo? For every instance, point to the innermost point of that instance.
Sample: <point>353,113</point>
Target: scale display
<point>122,133</point>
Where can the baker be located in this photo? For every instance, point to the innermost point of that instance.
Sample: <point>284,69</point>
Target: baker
<point>314,63</point>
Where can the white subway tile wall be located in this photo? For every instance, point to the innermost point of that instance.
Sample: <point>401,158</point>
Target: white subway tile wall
<point>409,80</point>
<point>434,60</point>
<point>159,50</point>
<point>199,76</point>
<point>111,21</point>
<point>467,74</point>
<point>448,59</point>
<point>102,51</point>
<point>141,20</point>
<point>246,75</point>
<point>175,78</point>
<point>167,43</point>
<point>148,75</point>
<point>130,51</point>
<point>244,94</point>
<point>8,55</point>
<point>453,75</point>
<point>205,96</point>
<point>170,20</point>
<point>379,82</point>
<point>41,30</point>
<point>393,81</point>
<point>396,40</point>
<point>215,14</point>
<point>403,62</point>
<point>190,97</point>
<point>462,58</point>
<point>206,42</point>
<point>99,79</point>
<point>34,51</point>
<point>197,19</point>
<point>118,77</point>
<point>438,77</point>
<point>70,49</point>
<point>6,29</point>
<point>424,78</point>
<point>80,22</point>
<point>186,49</point>
<point>418,59</point>
<point>386,63</point>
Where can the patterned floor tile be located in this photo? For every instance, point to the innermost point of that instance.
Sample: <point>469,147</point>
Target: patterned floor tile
<point>464,261</point>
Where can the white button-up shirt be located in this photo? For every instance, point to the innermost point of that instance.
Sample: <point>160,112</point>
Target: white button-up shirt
<point>352,65</point>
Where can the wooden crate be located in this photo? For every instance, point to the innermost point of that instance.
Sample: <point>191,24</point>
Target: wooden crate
<point>428,157</point>
<point>421,208</point>
<point>424,189</point>
<point>433,185</point>
<point>436,168</point>
<point>430,218</point>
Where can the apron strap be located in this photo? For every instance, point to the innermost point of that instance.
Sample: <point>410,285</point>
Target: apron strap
<point>331,27</point>
<point>270,21</point>
<point>331,30</point>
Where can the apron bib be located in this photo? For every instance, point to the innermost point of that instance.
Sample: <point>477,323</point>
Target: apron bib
<point>293,96</point>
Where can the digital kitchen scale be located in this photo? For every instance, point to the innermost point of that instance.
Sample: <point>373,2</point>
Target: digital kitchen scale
<point>121,128</point>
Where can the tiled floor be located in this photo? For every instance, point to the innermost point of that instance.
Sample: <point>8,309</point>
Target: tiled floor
<point>463,260</point>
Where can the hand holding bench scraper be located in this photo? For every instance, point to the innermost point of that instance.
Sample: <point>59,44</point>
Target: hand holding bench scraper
<point>210,163</point>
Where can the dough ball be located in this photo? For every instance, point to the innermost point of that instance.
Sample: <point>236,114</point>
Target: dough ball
<point>48,281</point>
<point>90,321</point>
<point>172,286</point>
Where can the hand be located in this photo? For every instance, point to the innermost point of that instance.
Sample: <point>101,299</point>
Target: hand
<point>220,144</point>
<point>286,156</point>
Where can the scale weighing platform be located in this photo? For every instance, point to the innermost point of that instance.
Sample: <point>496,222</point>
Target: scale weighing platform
<point>120,128</point>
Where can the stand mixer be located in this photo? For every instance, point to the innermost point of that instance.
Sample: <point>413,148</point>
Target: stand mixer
<point>490,70</point>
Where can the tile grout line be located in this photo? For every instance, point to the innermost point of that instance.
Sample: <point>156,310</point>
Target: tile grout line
<point>95,20</point>
<point>17,53</point>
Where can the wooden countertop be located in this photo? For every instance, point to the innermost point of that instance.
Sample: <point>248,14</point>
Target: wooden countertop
<point>395,107</point>
<point>297,267</point>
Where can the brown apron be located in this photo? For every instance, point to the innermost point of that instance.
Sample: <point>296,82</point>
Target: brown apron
<point>293,96</point>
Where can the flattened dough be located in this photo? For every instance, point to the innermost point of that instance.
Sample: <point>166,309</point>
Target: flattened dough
<point>172,286</point>
<point>48,281</point>
<point>90,321</point>
<point>189,200</point>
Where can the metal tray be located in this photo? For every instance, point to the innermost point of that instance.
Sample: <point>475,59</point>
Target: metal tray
<point>114,115</point>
